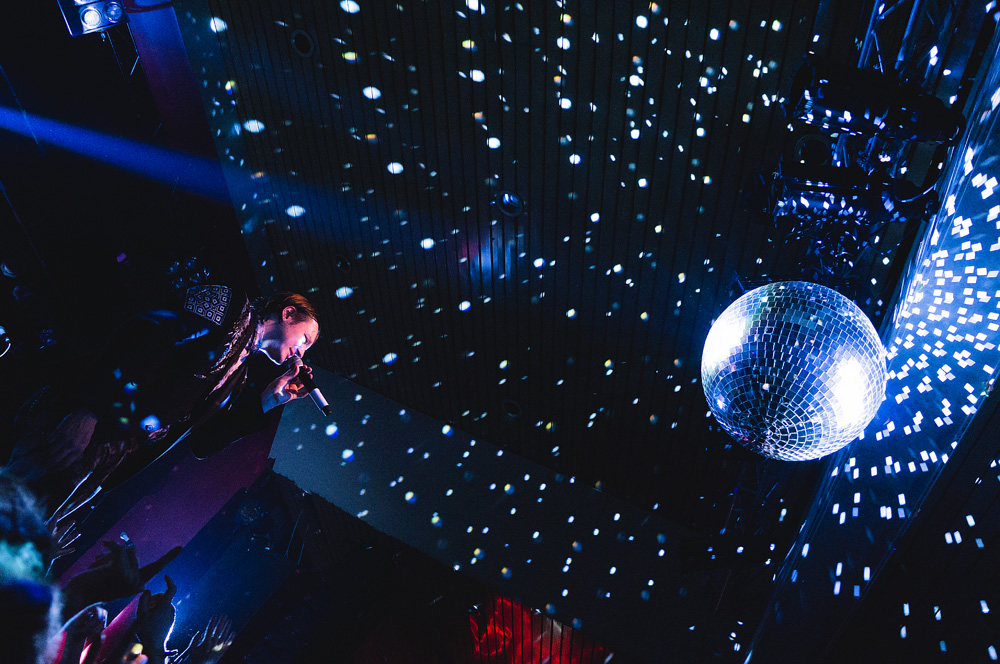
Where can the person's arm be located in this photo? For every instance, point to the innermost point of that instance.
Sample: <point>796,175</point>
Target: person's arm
<point>113,575</point>
<point>153,619</point>
<point>86,626</point>
<point>57,450</point>
<point>123,385</point>
<point>209,646</point>
<point>254,410</point>
<point>284,388</point>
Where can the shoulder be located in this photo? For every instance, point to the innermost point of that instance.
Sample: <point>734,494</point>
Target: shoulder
<point>212,302</point>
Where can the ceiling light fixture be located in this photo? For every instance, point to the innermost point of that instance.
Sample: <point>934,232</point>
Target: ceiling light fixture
<point>84,16</point>
<point>509,203</point>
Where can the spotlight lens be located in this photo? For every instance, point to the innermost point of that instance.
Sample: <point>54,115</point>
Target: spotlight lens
<point>509,203</point>
<point>90,17</point>
<point>113,11</point>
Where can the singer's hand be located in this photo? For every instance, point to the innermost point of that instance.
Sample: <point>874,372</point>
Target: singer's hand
<point>285,387</point>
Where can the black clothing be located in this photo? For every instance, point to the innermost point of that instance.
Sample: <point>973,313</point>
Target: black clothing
<point>163,375</point>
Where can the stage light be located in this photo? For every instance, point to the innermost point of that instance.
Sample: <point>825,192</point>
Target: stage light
<point>509,203</point>
<point>114,12</point>
<point>85,16</point>
<point>858,101</point>
<point>5,343</point>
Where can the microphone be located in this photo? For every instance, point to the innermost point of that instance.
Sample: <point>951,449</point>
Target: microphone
<point>314,392</point>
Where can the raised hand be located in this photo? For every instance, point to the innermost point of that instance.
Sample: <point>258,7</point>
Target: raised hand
<point>64,534</point>
<point>153,619</point>
<point>208,647</point>
<point>66,444</point>
<point>285,387</point>
<point>115,574</point>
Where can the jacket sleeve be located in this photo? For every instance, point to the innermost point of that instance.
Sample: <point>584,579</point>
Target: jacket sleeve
<point>235,416</point>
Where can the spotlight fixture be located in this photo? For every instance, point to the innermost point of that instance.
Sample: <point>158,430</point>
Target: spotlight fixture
<point>509,203</point>
<point>86,16</point>
<point>837,98</point>
<point>342,262</point>
<point>5,343</point>
<point>512,408</point>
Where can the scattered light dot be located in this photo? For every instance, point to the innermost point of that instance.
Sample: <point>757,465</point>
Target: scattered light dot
<point>253,126</point>
<point>344,292</point>
<point>505,572</point>
<point>493,143</point>
<point>295,210</point>
<point>477,75</point>
<point>217,24</point>
<point>347,455</point>
<point>464,305</point>
<point>427,243</point>
<point>636,81</point>
<point>574,159</point>
<point>372,92</point>
<point>331,430</point>
<point>389,358</point>
<point>565,103</point>
<point>447,430</point>
<point>350,56</point>
<point>776,26</point>
<point>469,44</point>
<point>713,34</point>
<point>350,6</point>
<point>539,262</point>
<point>642,182</point>
<point>641,21</point>
<point>596,217</point>
<point>563,43</point>
<point>411,497</point>
<point>571,313</point>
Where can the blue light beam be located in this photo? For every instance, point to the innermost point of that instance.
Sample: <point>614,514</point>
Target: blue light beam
<point>194,174</point>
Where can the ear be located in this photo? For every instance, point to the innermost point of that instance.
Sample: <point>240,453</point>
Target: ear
<point>288,313</point>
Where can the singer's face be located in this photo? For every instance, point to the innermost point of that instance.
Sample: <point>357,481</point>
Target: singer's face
<point>287,337</point>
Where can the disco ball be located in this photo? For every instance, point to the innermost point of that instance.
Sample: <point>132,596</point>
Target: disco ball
<point>793,370</point>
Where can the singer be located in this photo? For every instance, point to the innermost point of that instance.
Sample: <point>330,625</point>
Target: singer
<point>167,375</point>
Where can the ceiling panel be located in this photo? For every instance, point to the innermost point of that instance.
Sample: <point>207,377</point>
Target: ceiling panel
<point>380,138</point>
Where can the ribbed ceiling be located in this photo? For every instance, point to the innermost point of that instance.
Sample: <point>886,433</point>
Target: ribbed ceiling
<point>380,138</point>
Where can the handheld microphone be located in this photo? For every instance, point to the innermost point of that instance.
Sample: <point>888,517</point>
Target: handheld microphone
<point>314,392</point>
